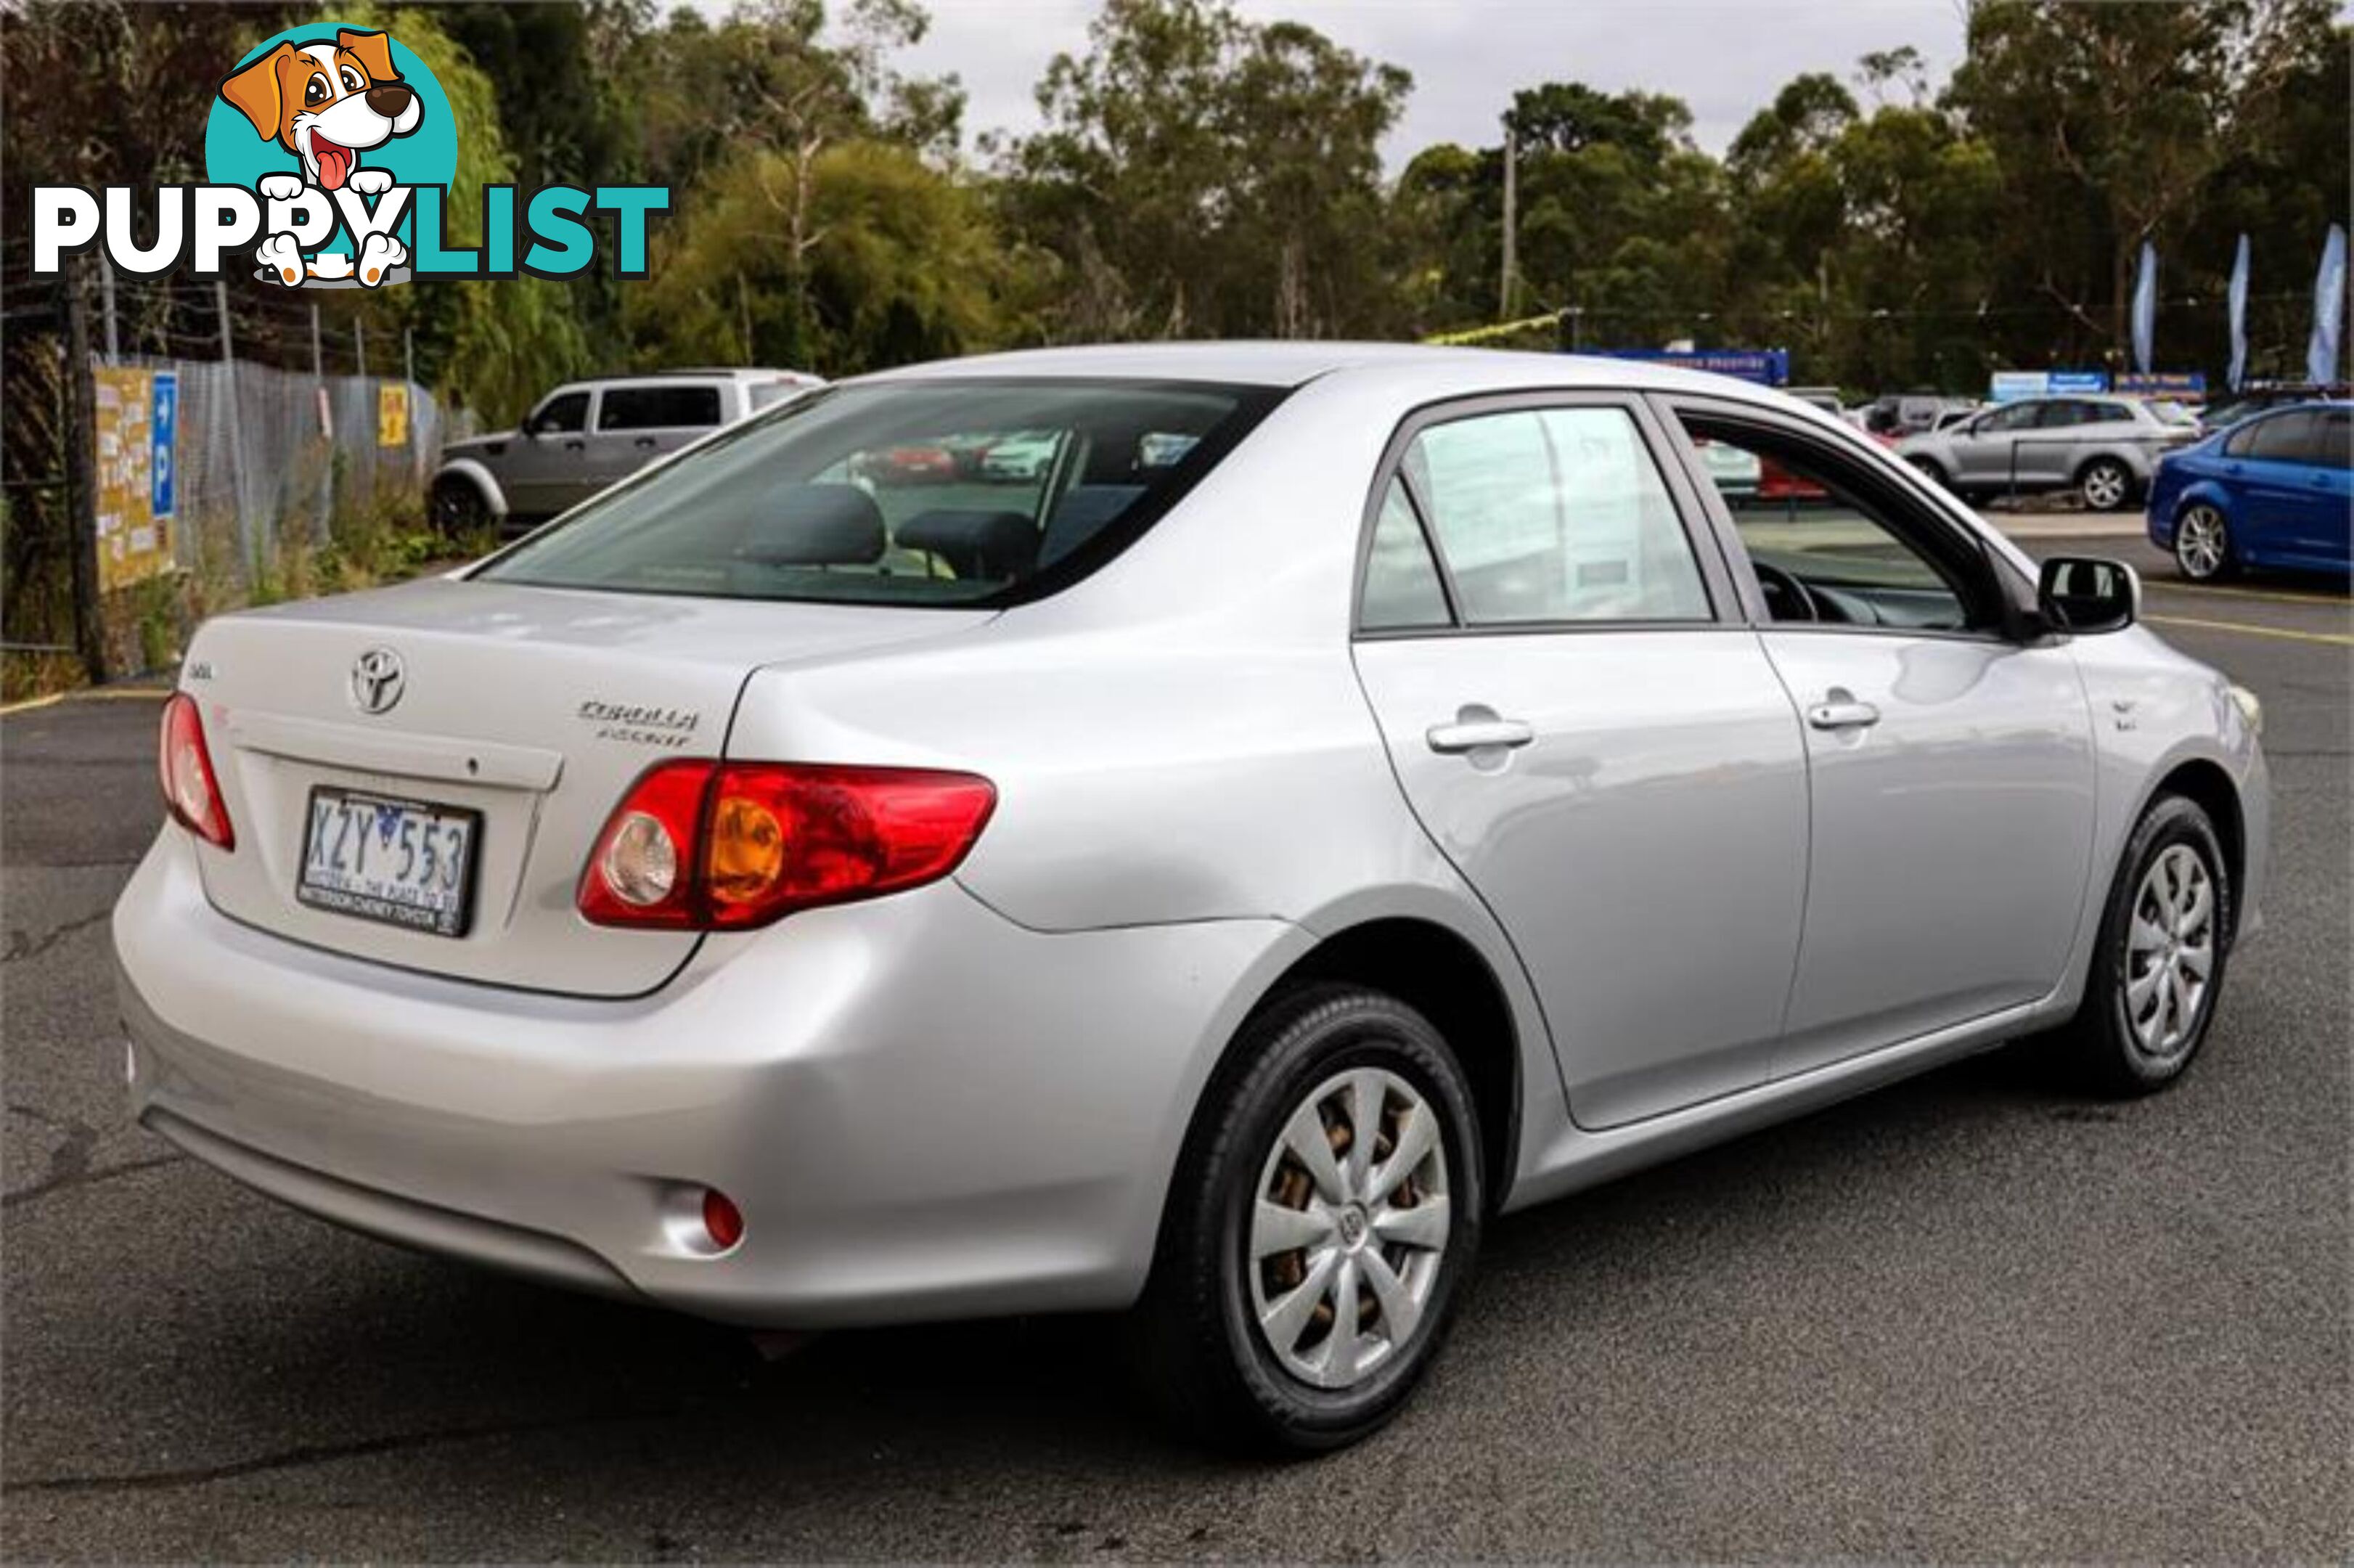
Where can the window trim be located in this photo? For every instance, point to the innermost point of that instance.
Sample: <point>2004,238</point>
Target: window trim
<point>1717,584</point>
<point>2013,595</point>
<point>588,410</point>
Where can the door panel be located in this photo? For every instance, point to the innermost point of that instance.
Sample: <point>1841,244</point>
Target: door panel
<point>1645,850</point>
<point>541,475</point>
<point>1952,790</point>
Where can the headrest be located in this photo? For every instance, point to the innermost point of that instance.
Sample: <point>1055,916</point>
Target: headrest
<point>976,543</point>
<point>816,525</point>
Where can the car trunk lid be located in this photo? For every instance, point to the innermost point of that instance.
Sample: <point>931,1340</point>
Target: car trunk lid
<point>532,708</point>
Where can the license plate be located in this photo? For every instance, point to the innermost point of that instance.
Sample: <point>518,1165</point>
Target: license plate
<point>404,863</point>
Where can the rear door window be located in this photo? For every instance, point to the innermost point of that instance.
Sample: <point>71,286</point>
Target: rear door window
<point>685,405</point>
<point>920,492</point>
<point>1555,516</point>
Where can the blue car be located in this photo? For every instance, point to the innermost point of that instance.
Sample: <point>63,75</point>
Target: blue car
<point>2276,490</point>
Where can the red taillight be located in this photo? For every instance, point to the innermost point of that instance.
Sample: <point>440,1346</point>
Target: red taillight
<point>708,845</point>
<point>185,769</point>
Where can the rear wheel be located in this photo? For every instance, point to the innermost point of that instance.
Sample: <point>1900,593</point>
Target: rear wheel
<point>2203,544</point>
<point>2107,485</point>
<point>1324,1221</point>
<point>2159,967</point>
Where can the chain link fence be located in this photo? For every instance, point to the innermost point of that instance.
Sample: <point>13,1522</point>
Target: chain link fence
<point>266,456</point>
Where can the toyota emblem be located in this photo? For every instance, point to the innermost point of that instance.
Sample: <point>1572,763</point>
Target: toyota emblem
<point>377,681</point>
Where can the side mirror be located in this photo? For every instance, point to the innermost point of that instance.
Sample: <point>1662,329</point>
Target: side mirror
<point>530,427</point>
<point>2087,595</point>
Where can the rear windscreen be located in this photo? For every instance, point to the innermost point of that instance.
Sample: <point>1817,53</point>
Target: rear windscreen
<point>947,492</point>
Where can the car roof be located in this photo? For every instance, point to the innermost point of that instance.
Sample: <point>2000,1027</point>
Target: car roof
<point>1438,369</point>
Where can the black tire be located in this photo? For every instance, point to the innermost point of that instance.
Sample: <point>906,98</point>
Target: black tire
<point>459,508</point>
<point>1200,1352</point>
<point>2099,1045</point>
<point>1931,469</point>
<point>2106,484</point>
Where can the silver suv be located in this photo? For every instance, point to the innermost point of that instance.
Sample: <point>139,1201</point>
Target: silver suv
<point>585,435</point>
<point>2107,446</point>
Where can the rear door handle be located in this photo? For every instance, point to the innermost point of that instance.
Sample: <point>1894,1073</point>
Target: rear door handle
<point>645,440</point>
<point>1841,711</point>
<point>575,445</point>
<point>1476,734</point>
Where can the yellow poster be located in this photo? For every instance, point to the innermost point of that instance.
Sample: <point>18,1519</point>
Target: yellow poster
<point>137,421</point>
<point>392,414</point>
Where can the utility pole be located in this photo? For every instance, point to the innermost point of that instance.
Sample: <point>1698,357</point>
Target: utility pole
<point>236,428</point>
<point>81,478</point>
<point>321,529</point>
<point>1511,221</point>
<point>359,344</point>
<point>409,374</point>
<point>106,287</point>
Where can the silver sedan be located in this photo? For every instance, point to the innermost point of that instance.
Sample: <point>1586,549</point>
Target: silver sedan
<point>1339,795</point>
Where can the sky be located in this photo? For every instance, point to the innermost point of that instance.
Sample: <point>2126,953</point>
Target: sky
<point>1726,58</point>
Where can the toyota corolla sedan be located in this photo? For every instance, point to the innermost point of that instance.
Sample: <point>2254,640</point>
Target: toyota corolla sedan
<point>1348,794</point>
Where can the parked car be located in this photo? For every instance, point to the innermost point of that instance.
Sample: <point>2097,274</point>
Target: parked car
<point>2105,447</point>
<point>2255,400</point>
<point>1734,472</point>
<point>1902,414</point>
<point>2271,491</point>
<point>924,462</point>
<point>1221,892</point>
<point>586,435</point>
<point>1021,458</point>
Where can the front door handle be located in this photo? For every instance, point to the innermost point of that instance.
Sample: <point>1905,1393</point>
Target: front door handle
<point>1478,735</point>
<point>575,445</point>
<point>1840,709</point>
<point>645,440</point>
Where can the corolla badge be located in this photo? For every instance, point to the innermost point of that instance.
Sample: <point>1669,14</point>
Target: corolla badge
<point>377,681</point>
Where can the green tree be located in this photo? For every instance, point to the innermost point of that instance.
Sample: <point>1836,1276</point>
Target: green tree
<point>1201,174</point>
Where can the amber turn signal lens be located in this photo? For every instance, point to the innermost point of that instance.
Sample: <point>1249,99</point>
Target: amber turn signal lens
<point>748,850</point>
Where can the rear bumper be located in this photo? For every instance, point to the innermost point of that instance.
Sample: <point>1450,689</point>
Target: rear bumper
<point>923,1109</point>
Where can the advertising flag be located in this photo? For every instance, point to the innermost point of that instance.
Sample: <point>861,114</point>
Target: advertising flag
<point>2144,308</point>
<point>2329,310</point>
<point>2238,298</point>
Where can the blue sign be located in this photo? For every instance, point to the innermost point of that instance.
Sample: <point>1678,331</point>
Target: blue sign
<point>1765,367</point>
<point>163,430</point>
<point>2007,385</point>
<point>2186,385</point>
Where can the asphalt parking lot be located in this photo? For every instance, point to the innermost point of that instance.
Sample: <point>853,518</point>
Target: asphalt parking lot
<point>1968,1318</point>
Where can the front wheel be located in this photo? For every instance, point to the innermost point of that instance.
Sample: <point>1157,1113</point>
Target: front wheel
<point>1324,1221</point>
<point>2107,485</point>
<point>2159,968</point>
<point>2203,544</point>
<point>458,507</point>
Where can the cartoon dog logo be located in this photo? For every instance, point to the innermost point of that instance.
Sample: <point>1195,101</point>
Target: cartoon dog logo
<point>327,103</point>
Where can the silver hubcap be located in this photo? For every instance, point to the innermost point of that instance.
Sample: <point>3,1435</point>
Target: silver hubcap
<point>2199,542</point>
<point>2169,951</point>
<point>1349,1228</point>
<point>2104,486</point>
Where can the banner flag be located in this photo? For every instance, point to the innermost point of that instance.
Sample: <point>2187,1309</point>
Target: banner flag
<point>2329,310</point>
<point>2238,297</point>
<point>2144,308</point>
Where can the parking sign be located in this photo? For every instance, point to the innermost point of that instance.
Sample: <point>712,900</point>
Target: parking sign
<point>163,430</point>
